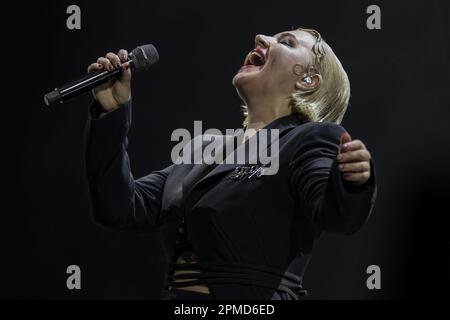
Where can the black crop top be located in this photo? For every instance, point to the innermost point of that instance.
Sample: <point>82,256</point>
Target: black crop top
<point>185,259</point>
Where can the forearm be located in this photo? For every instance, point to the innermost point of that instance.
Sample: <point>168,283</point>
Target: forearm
<point>345,207</point>
<point>117,199</point>
<point>329,202</point>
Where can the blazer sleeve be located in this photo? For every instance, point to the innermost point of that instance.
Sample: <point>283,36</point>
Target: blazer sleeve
<point>118,200</point>
<point>329,202</point>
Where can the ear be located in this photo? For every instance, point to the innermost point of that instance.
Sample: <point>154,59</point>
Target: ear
<point>304,84</point>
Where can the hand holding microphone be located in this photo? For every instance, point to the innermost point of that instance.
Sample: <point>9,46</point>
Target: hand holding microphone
<point>115,92</point>
<point>109,77</point>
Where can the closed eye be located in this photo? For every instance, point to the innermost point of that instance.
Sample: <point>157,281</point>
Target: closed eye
<point>286,42</point>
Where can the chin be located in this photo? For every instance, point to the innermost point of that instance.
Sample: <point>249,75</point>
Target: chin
<point>245,77</point>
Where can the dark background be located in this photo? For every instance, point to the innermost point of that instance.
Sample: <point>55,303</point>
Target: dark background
<point>399,108</point>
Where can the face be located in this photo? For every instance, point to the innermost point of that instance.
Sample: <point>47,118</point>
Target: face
<point>269,67</point>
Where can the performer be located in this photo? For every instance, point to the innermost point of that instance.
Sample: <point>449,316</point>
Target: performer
<point>229,231</point>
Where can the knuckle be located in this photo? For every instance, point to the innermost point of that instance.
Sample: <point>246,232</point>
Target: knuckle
<point>112,56</point>
<point>366,166</point>
<point>360,143</point>
<point>92,66</point>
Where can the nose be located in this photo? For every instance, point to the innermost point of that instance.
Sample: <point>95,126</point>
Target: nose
<point>262,41</point>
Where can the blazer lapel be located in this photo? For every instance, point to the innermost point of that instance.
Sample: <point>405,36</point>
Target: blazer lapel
<point>284,124</point>
<point>201,173</point>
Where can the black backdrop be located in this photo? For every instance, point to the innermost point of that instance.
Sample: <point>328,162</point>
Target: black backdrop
<point>399,107</point>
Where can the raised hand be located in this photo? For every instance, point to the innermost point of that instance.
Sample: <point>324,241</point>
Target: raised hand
<point>115,93</point>
<point>353,160</point>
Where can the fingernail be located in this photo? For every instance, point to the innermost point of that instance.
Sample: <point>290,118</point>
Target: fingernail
<point>339,157</point>
<point>341,166</point>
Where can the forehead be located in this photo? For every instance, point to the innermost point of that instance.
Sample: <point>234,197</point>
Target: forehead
<point>302,37</point>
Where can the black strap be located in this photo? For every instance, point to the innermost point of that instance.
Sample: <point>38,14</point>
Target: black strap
<point>238,273</point>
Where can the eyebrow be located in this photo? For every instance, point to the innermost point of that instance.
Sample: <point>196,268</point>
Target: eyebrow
<point>286,34</point>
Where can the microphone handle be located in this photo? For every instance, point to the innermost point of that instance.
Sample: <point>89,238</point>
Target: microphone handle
<point>83,84</point>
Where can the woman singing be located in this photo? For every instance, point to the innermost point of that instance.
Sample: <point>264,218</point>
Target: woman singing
<point>229,231</point>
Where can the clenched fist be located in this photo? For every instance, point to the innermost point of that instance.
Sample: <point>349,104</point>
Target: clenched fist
<point>115,93</point>
<point>353,160</point>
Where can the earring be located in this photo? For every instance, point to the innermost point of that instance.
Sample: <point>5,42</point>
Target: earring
<point>307,79</point>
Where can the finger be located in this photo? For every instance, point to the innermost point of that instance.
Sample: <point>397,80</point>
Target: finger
<point>94,67</point>
<point>357,178</point>
<point>114,59</point>
<point>345,138</point>
<point>105,63</point>
<point>355,167</point>
<point>354,156</point>
<point>125,66</point>
<point>353,145</point>
<point>123,55</point>
<point>126,72</point>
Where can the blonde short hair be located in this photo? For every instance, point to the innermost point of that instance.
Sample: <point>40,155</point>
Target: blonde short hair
<point>328,102</point>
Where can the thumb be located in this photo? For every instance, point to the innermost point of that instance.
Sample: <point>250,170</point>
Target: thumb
<point>125,76</point>
<point>345,137</point>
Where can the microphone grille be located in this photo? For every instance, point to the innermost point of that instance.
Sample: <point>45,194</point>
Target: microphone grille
<point>144,56</point>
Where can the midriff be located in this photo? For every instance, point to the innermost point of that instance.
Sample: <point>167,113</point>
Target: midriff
<point>195,288</point>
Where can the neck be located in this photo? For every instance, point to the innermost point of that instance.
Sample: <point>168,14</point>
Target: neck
<point>262,111</point>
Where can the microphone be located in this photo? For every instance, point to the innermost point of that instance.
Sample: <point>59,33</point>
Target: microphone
<point>141,58</point>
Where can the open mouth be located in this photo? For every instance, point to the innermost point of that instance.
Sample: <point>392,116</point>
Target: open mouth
<point>256,58</point>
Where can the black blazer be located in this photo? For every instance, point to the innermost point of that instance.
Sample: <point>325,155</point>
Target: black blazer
<point>253,235</point>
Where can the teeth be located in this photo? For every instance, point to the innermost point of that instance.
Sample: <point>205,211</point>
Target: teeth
<point>254,58</point>
<point>246,62</point>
